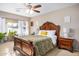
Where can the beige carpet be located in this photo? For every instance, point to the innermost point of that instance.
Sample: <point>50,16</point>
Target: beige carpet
<point>6,49</point>
<point>62,52</point>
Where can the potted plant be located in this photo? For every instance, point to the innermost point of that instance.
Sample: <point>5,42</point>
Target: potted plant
<point>2,35</point>
<point>10,35</point>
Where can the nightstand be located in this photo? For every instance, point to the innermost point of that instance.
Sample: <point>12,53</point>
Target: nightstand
<point>66,43</point>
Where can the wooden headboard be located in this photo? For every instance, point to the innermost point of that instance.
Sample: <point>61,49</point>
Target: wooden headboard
<point>51,26</point>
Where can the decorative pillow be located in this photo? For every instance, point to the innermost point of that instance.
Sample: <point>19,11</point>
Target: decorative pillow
<point>47,32</point>
<point>40,31</point>
<point>43,33</point>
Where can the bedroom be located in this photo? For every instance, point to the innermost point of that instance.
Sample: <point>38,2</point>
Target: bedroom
<point>62,14</point>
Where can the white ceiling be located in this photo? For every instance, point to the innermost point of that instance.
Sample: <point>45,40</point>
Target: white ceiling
<point>20,9</point>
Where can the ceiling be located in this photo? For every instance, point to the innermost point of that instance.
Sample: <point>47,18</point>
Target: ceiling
<point>20,9</point>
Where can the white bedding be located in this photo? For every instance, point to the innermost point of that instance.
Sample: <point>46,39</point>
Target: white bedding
<point>54,39</point>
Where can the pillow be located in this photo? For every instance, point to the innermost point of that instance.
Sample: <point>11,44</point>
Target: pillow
<point>43,33</point>
<point>40,31</point>
<point>49,32</point>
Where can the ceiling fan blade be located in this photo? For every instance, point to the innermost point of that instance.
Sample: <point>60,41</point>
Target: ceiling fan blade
<point>36,11</point>
<point>37,6</point>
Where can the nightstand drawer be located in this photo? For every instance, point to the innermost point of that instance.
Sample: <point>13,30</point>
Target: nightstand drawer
<point>66,40</point>
<point>66,43</point>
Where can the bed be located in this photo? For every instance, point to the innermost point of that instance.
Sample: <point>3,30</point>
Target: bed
<point>34,45</point>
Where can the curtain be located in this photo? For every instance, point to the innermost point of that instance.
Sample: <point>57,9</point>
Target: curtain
<point>23,28</point>
<point>3,26</point>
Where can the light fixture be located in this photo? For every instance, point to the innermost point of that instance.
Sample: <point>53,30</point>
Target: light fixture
<point>30,12</point>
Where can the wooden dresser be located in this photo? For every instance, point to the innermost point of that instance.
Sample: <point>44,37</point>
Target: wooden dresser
<point>66,43</point>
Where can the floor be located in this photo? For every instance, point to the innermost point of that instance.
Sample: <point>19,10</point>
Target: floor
<point>6,49</point>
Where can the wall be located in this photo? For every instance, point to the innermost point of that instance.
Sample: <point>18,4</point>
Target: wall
<point>11,20</point>
<point>57,17</point>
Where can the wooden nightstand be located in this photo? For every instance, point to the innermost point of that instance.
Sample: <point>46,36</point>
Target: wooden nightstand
<point>66,43</point>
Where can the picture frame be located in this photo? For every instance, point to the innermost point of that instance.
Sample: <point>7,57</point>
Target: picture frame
<point>67,19</point>
<point>31,23</point>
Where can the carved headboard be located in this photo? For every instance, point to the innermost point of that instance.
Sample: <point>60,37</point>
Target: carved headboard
<point>51,26</point>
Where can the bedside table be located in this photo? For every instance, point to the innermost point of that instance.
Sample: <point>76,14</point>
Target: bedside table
<point>66,43</point>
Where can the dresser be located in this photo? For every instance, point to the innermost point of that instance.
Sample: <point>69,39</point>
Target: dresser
<point>66,43</point>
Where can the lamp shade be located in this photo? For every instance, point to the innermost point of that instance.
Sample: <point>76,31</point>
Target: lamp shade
<point>65,32</point>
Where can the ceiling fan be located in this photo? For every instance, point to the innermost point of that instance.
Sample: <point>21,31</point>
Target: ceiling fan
<point>33,8</point>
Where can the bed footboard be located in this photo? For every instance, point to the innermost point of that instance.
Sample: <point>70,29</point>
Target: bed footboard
<point>26,48</point>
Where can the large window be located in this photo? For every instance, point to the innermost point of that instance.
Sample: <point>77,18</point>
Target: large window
<point>21,27</point>
<point>12,27</point>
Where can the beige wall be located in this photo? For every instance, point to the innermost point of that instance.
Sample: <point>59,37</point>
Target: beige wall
<point>11,20</point>
<point>57,17</point>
